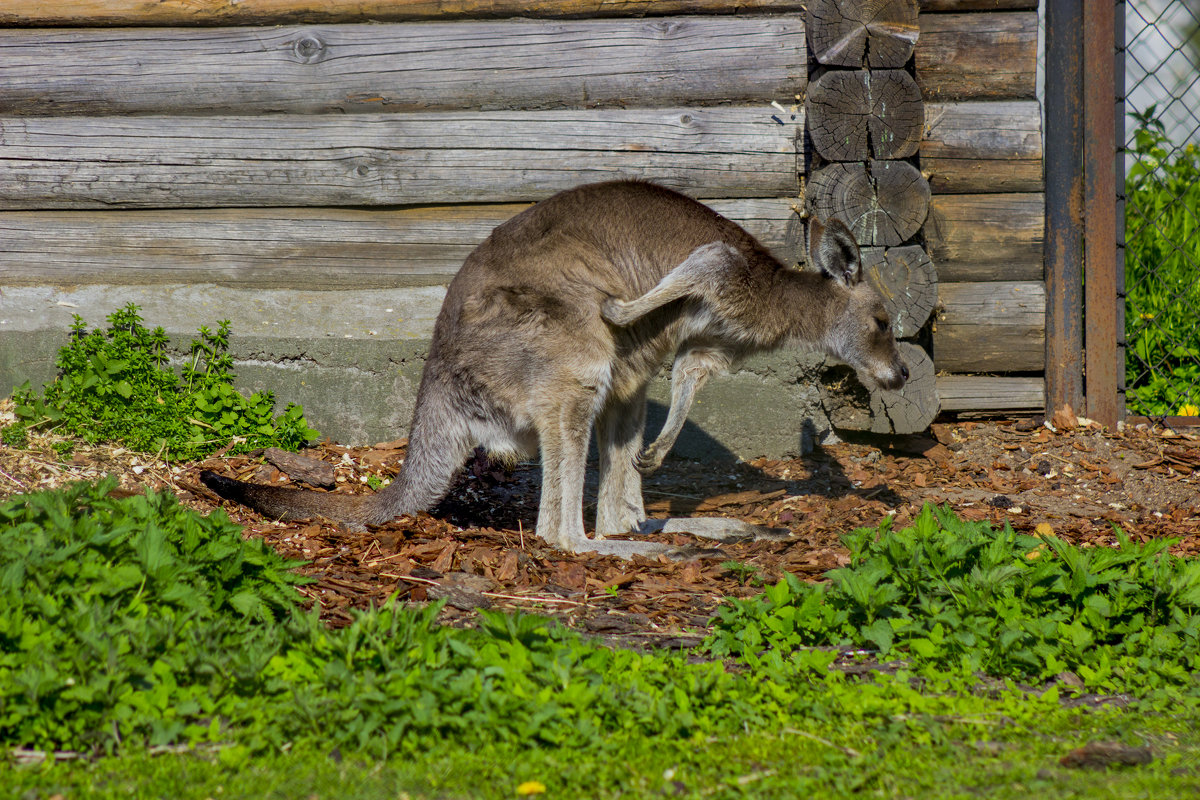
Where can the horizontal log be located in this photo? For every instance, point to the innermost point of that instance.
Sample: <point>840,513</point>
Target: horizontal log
<point>990,327</point>
<point>278,12</point>
<point>983,147</point>
<point>986,237</point>
<point>977,56</point>
<point>390,159</point>
<point>417,66</point>
<point>291,247</point>
<point>515,63</point>
<point>990,393</point>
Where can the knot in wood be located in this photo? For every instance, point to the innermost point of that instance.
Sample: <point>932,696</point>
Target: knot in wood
<point>309,48</point>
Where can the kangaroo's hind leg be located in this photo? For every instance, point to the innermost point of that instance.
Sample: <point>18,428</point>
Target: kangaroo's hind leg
<point>619,429</point>
<point>564,429</point>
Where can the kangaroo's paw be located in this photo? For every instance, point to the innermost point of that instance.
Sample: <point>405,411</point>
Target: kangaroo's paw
<point>648,460</point>
<point>721,530</point>
<point>616,311</point>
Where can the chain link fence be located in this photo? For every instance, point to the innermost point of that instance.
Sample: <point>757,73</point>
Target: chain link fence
<point>1162,207</point>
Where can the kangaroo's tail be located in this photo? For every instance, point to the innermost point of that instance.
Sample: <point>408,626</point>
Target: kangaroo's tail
<point>436,451</point>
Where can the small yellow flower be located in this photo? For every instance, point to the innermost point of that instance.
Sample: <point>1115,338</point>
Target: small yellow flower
<point>1189,410</point>
<point>531,787</point>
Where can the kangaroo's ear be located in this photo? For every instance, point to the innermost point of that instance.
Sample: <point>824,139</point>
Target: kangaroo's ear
<point>832,249</point>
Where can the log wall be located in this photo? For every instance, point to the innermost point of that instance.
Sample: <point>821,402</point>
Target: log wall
<point>276,143</point>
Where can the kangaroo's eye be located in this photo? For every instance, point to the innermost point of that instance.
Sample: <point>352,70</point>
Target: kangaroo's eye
<point>882,324</point>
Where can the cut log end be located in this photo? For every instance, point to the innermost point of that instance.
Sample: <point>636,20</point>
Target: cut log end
<point>854,115</point>
<point>856,33</point>
<point>907,280</point>
<point>883,202</point>
<point>911,410</point>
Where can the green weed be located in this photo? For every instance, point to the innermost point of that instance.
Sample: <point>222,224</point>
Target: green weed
<point>959,597</point>
<point>1162,258</point>
<point>115,385</point>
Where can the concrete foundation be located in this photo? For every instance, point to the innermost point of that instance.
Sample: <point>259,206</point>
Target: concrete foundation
<point>354,360</point>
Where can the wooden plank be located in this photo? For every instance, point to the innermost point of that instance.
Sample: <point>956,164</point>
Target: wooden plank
<point>990,327</point>
<point>289,247</point>
<point>390,159</point>
<point>986,237</point>
<point>977,56</point>
<point>416,66</point>
<point>277,12</point>
<point>941,6</point>
<point>990,393</point>
<point>983,147</point>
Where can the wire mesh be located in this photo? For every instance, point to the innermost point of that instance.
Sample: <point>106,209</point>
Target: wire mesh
<point>1162,207</point>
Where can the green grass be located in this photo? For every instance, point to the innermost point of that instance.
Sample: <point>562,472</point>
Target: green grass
<point>133,625</point>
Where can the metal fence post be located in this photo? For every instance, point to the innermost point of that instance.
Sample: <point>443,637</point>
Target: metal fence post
<point>1064,204</point>
<point>1100,212</point>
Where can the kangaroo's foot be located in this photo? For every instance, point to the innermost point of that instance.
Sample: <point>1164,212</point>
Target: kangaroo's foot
<point>649,459</point>
<point>726,531</point>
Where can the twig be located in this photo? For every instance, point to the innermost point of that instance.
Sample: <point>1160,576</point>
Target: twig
<point>850,751</point>
<point>532,599</point>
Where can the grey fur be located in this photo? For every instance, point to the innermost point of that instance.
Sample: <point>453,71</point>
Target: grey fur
<point>556,324</point>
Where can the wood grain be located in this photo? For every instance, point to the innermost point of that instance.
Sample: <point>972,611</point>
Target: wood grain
<point>983,147</point>
<point>854,115</point>
<point>977,56</point>
<point>991,327</point>
<point>289,247</point>
<point>990,393</point>
<point>883,202</point>
<point>987,237</point>
<point>524,64</point>
<point>377,159</point>
<point>277,12</point>
<point>907,281</point>
<point>860,33</point>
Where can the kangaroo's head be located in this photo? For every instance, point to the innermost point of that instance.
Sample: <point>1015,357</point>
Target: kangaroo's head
<point>858,329</point>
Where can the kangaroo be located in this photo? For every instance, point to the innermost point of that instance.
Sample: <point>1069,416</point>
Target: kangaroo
<point>555,326</point>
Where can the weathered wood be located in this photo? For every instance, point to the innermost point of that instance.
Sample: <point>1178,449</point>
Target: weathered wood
<point>991,327</point>
<point>289,247</point>
<point>990,393</point>
<point>977,56</point>
<point>859,33</point>
<point>986,237</point>
<point>383,159</point>
<point>854,115</point>
<point>907,280</point>
<point>883,202</point>
<point>415,66</point>
<point>278,12</point>
<point>909,410</point>
<point>983,147</point>
<point>936,6</point>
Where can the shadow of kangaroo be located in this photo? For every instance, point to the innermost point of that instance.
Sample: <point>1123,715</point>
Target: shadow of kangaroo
<point>555,326</point>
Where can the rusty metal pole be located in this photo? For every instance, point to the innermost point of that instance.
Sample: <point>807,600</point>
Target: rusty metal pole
<point>1100,211</point>
<point>1064,204</point>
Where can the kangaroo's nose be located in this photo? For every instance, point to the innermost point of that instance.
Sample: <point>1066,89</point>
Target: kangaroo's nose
<point>904,371</point>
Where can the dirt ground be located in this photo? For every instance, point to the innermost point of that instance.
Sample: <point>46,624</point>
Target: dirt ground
<point>477,549</point>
